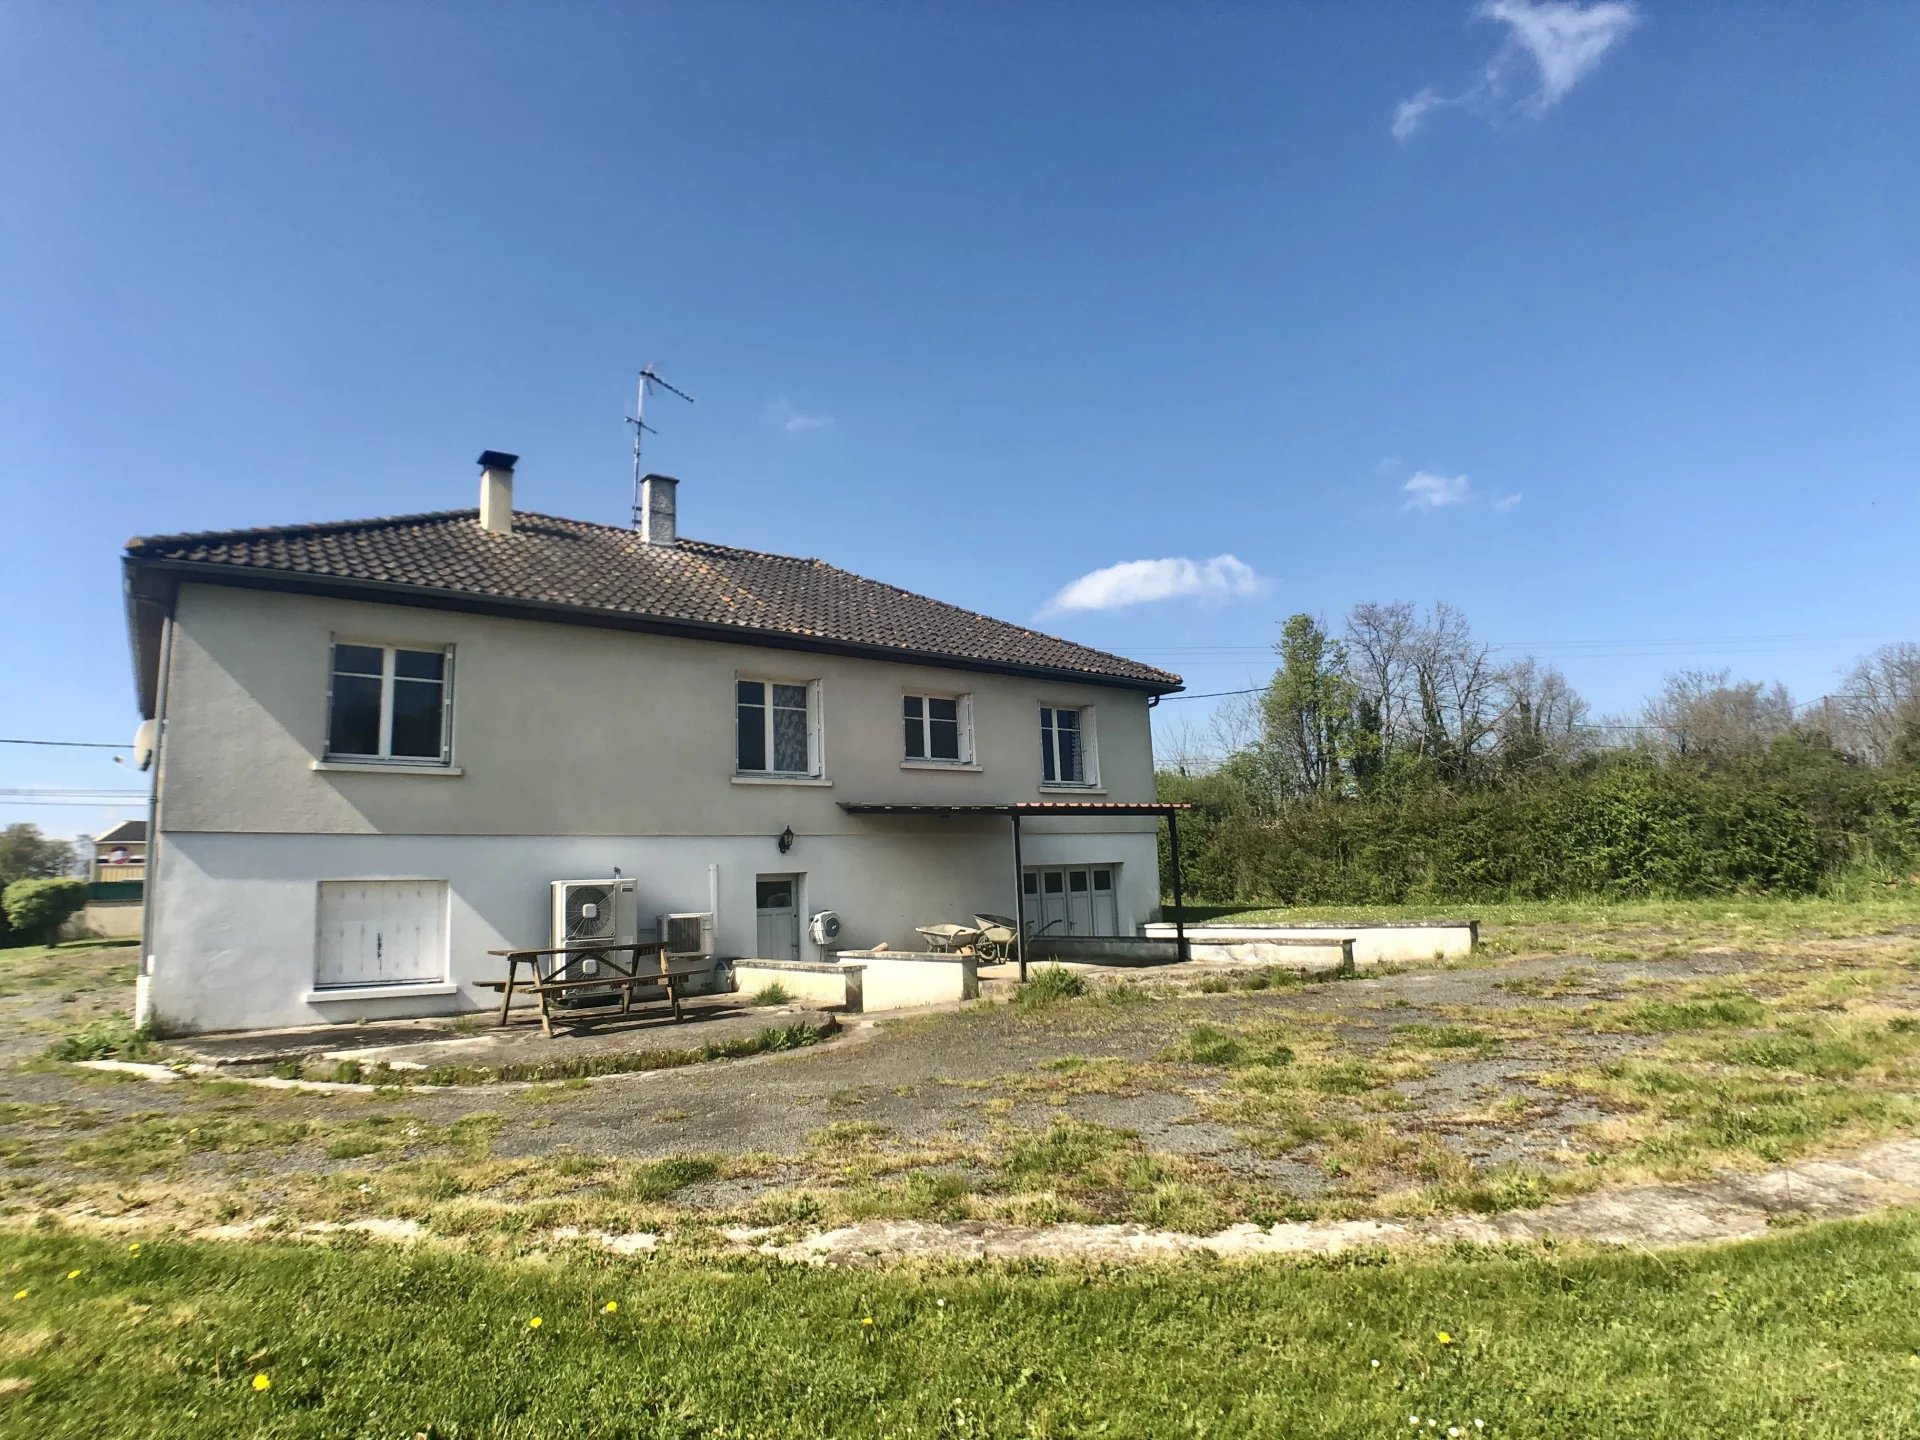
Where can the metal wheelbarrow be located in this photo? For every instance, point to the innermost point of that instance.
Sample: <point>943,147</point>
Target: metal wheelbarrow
<point>996,940</point>
<point>943,939</point>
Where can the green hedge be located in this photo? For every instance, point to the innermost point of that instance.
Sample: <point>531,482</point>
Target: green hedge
<point>1793,821</point>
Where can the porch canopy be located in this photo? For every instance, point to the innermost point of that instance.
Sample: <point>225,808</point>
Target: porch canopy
<point>1016,810</point>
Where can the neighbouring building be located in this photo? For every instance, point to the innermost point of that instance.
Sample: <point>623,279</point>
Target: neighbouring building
<point>380,741</point>
<point>120,855</point>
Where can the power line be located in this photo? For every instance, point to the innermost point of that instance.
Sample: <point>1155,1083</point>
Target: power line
<point>70,744</point>
<point>1214,694</point>
<point>99,804</point>
<point>70,792</point>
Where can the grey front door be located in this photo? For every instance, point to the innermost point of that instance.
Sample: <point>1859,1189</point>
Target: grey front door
<point>776,900</point>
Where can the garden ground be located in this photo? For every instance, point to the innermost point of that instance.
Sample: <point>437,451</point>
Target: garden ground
<point>1581,1049</point>
<point>1585,1048</point>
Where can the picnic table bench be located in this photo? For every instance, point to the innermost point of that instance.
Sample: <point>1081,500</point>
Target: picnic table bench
<point>612,975</point>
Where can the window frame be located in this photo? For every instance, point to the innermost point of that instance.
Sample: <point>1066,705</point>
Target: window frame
<point>815,745</point>
<point>963,726</point>
<point>389,652</point>
<point>1089,752</point>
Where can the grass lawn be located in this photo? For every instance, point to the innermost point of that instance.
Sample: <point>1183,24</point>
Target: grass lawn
<point>1813,1333</point>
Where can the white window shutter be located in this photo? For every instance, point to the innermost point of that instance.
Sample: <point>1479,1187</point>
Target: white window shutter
<point>1090,746</point>
<point>446,707</point>
<point>816,737</point>
<point>966,729</point>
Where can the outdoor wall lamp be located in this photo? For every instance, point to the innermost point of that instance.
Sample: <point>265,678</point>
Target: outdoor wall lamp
<point>785,841</point>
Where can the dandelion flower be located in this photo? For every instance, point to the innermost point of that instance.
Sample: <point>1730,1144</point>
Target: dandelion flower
<point>1445,1338</point>
<point>134,1248</point>
<point>610,1307</point>
<point>19,1294</point>
<point>261,1382</point>
<point>534,1323</point>
<point>867,1321</point>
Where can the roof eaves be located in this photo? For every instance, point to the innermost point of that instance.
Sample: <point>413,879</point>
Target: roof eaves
<point>1150,680</point>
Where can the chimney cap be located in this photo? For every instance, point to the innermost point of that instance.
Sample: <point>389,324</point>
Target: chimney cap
<point>497,460</point>
<point>655,476</point>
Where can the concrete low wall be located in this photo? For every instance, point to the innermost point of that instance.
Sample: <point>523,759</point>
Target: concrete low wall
<point>1397,944</point>
<point>1099,950</point>
<point>1318,954</point>
<point>866,981</point>
<point>902,979</point>
<point>104,921</point>
<point>837,987</point>
<point>1331,951</point>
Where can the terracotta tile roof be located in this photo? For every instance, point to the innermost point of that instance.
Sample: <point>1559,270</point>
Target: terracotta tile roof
<point>598,573</point>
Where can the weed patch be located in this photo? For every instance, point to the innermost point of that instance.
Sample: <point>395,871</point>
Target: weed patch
<point>114,1038</point>
<point>1049,985</point>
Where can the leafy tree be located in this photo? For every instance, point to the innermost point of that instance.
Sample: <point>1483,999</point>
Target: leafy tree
<point>26,854</point>
<point>41,907</point>
<point>1309,706</point>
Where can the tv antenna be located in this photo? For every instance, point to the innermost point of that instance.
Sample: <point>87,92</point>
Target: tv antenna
<point>648,378</point>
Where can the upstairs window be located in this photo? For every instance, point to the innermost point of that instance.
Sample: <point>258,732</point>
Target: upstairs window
<point>939,729</point>
<point>390,703</point>
<point>1066,747</point>
<point>777,727</point>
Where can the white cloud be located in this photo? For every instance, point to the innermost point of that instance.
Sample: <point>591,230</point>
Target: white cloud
<point>1563,39</point>
<point>1551,46</point>
<point>1505,502</point>
<point>1428,491</point>
<point>1411,114</point>
<point>1141,582</point>
<point>788,418</point>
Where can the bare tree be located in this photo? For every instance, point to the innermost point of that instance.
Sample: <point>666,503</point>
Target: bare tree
<point>1704,714</point>
<point>1380,640</point>
<point>1879,703</point>
<point>1457,686</point>
<point>1541,713</point>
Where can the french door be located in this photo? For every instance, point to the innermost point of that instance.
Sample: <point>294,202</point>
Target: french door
<point>1072,900</point>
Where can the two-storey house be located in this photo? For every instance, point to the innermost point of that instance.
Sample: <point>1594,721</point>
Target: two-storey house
<point>379,741</point>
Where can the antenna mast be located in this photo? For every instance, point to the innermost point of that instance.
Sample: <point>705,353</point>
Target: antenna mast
<point>648,377</point>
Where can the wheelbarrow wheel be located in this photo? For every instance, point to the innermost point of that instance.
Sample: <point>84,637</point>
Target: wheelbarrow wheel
<point>986,951</point>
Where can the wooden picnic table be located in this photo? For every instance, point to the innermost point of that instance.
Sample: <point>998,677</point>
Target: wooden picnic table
<point>625,978</point>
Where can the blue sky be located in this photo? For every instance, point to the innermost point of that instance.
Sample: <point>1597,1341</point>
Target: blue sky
<point>982,299</point>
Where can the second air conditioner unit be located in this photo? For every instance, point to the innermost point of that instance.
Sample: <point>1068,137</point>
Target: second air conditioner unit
<point>689,933</point>
<point>588,910</point>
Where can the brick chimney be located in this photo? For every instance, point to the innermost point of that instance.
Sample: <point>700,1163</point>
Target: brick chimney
<point>496,491</point>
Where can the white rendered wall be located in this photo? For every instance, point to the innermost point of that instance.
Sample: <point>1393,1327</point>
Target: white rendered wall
<point>571,730</point>
<point>234,925</point>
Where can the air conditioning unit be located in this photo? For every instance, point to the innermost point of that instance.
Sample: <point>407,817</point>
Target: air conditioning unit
<point>825,929</point>
<point>589,910</point>
<point>688,934</point>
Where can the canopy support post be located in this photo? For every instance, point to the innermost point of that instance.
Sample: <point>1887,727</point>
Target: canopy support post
<point>1179,902</point>
<point>1019,897</point>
